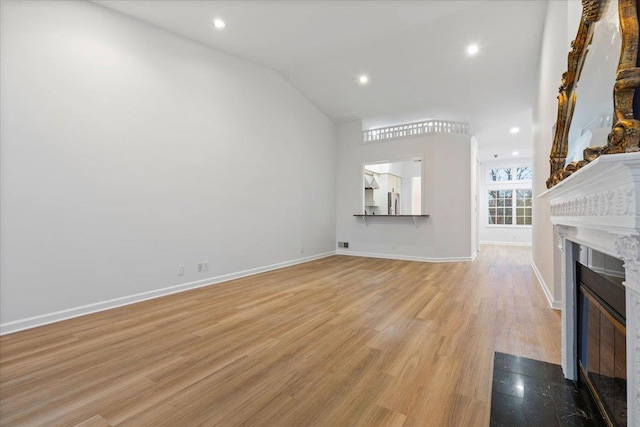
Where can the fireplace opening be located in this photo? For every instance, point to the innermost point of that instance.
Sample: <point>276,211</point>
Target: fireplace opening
<point>601,341</point>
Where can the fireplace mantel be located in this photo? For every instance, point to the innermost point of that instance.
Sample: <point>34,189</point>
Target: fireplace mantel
<point>599,206</point>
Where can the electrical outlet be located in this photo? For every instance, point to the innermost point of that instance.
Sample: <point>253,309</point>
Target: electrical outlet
<point>199,267</point>
<point>205,266</point>
<point>301,249</point>
<point>181,270</point>
<point>343,245</point>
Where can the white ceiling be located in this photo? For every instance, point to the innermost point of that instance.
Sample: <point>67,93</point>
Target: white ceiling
<point>414,53</point>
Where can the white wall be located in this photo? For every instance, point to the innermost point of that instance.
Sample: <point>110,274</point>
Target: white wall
<point>475,232</point>
<point>446,171</point>
<point>410,170</point>
<point>127,150</point>
<point>519,235</point>
<point>553,62</point>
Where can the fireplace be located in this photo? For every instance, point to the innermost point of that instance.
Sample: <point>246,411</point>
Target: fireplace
<point>601,339</point>
<point>598,208</point>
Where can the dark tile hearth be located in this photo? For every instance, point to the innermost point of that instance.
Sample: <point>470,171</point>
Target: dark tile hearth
<point>528,392</point>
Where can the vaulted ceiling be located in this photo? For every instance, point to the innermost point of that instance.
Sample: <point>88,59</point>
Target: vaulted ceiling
<point>414,53</point>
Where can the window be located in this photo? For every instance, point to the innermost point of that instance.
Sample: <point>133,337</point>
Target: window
<point>509,196</point>
<point>500,207</point>
<point>523,207</point>
<point>502,174</point>
<point>524,173</point>
<point>520,173</point>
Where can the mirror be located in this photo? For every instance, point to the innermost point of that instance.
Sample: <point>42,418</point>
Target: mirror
<point>590,122</point>
<point>393,188</point>
<point>593,112</point>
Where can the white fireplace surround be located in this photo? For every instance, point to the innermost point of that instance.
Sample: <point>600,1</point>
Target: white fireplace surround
<point>599,207</point>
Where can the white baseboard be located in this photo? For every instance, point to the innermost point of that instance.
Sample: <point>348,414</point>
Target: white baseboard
<point>505,243</point>
<point>45,319</point>
<point>547,293</point>
<point>404,257</point>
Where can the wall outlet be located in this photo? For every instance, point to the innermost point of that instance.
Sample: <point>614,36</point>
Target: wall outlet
<point>343,245</point>
<point>181,270</point>
<point>301,249</point>
<point>200,267</point>
<point>205,266</point>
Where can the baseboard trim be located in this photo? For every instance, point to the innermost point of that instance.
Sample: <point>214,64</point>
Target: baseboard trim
<point>58,316</point>
<point>552,303</point>
<point>404,257</point>
<point>505,243</point>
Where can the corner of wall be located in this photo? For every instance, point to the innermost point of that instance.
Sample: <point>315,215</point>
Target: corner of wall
<point>553,303</point>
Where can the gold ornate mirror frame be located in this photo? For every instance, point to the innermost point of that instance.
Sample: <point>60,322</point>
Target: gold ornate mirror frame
<point>625,134</point>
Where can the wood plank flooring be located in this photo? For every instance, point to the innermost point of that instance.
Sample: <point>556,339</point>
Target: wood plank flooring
<point>341,341</point>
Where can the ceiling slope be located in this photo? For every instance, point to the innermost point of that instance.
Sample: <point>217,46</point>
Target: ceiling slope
<point>414,53</point>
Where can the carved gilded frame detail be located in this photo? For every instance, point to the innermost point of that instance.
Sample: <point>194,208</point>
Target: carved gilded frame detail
<point>625,134</point>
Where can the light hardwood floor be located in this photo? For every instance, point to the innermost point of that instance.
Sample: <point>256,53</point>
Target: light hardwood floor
<point>336,342</point>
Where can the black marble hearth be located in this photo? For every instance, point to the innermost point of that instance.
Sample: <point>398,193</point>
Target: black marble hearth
<point>528,392</point>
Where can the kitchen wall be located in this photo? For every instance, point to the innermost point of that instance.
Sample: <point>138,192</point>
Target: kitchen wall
<point>128,151</point>
<point>410,172</point>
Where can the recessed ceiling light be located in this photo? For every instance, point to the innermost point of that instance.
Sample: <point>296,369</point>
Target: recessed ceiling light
<point>515,153</point>
<point>472,49</point>
<point>363,79</point>
<point>219,23</point>
<point>514,130</point>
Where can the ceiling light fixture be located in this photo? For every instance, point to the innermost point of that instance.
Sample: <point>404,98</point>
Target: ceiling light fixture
<point>515,153</point>
<point>514,130</point>
<point>472,49</point>
<point>363,79</point>
<point>219,23</point>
